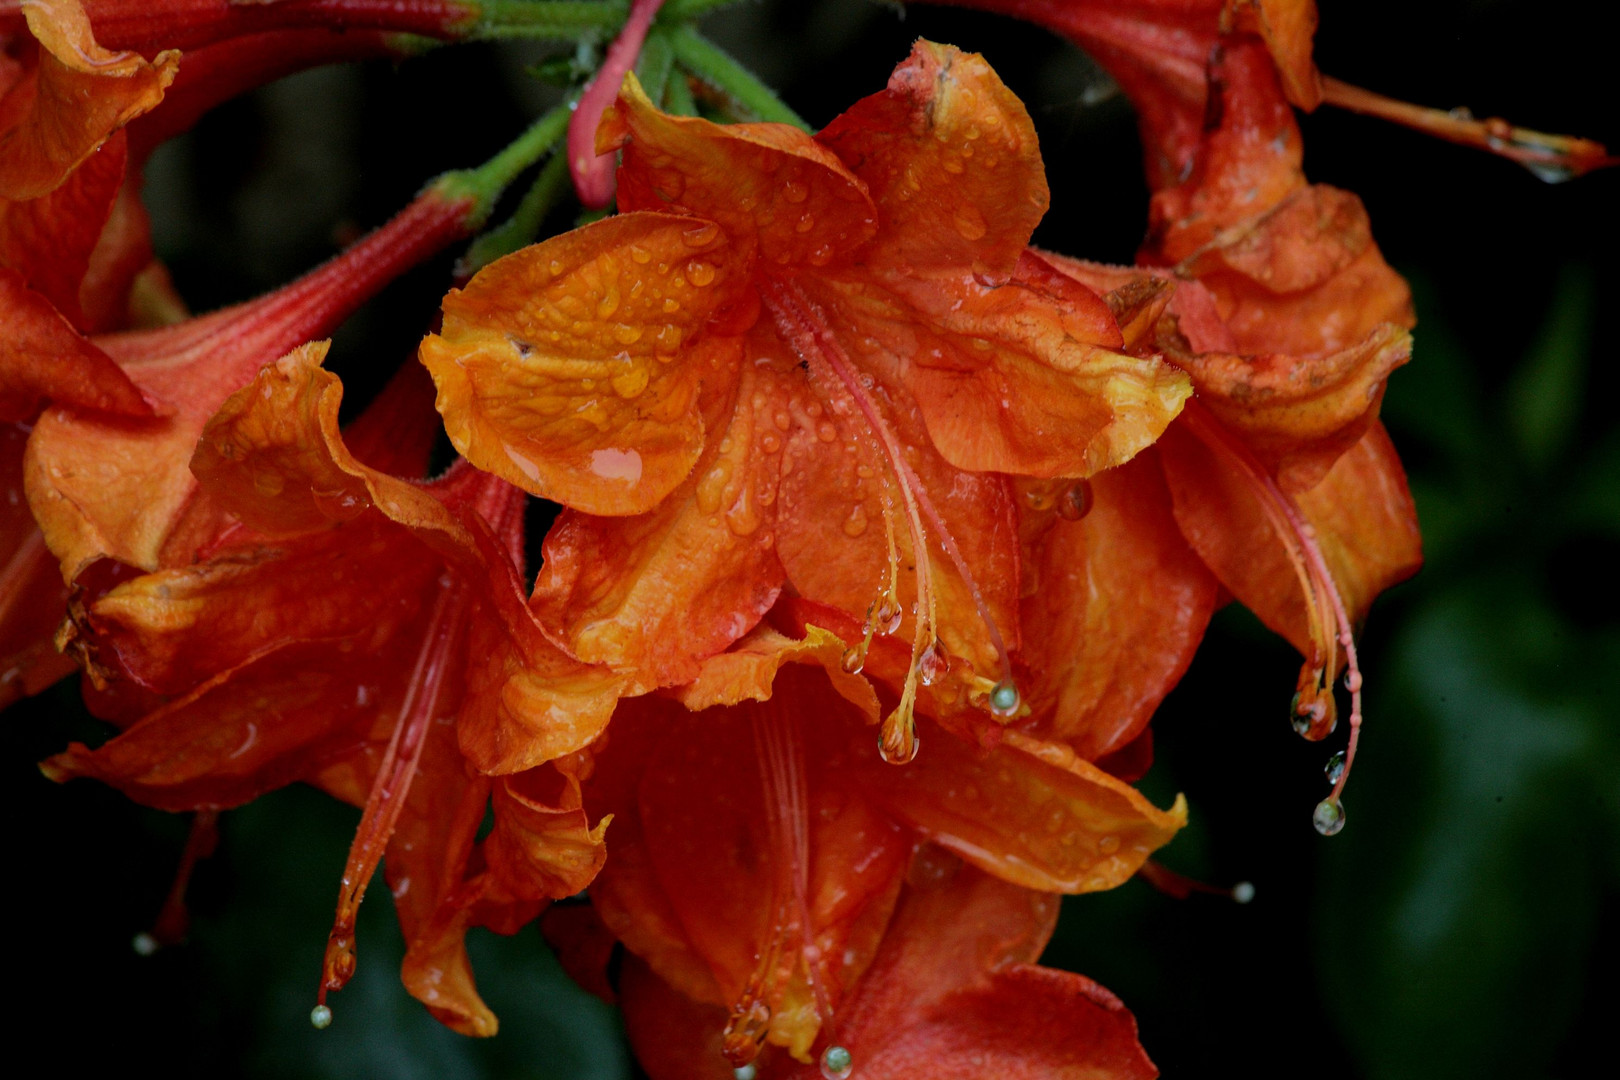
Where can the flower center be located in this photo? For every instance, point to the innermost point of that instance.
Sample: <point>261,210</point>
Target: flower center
<point>805,329</point>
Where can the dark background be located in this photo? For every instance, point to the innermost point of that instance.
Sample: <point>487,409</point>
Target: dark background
<point>1462,925</point>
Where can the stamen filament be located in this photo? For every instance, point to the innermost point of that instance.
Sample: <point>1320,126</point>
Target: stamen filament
<point>1298,537</point>
<point>393,782</point>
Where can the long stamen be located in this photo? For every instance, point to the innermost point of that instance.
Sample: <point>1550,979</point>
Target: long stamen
<point>780,753</point>
<point>806,330</point>
<point>389,789</point>
<point>1553,158</point>
<point>1322,596</point>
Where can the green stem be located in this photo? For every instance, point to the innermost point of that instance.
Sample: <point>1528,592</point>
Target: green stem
<point>683,10</point>
<point>523,226</point>
<point>657,61</point>
<point>556,20</point>
<point>752,98</point>
<point>485,183</point>
<point>678,96</point>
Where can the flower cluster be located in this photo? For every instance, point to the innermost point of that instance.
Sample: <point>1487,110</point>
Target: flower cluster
<point>882,533</point>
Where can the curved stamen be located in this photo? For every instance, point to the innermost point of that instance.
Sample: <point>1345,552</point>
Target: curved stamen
<point>805,329</point>
<point>391,785</point>
<point>1322,599</point>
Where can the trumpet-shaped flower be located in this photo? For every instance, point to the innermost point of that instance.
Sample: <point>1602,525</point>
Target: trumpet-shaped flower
<point>797,361</point>
<point>337,634</point>
<point>760,841</point>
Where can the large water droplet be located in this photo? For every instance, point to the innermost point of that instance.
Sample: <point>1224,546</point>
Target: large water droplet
<point>1328,817</point>
<point>837,1063</point>
<point>699,273</point>
<point>855,523</point>
<point>1243,892</point>
<point>320,1017</point>
<point>795,192</point>
<point>932,665</point>
<point>1334,768</point>
<point>1075,501</point>
<point>745,1072</point>
<point>887,615</point>
<point>1005,699</point>
<point>854,658</point>
<point>145,944</point>
<point>701,236</point>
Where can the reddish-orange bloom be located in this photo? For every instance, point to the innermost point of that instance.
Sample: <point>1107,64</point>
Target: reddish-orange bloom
<point>337,635</point>
<point>952,992</point>
<point>1288,321</point>
<point>760,843</point>
<point>797,361</point>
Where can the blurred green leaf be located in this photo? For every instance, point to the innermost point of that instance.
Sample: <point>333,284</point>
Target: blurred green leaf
<point>1543,399</point>
<point>1485,878</point>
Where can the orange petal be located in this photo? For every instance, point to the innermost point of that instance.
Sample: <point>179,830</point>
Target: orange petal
<point>251,729</point>
<point>1365,523</point>
<point>1029,812</point>
<point>658,593</point>
<point>1299,415</point>
<point>834,538</point>
<point>1021,389</point>
<point>1119,605</point>
<point>49,240</point>
<point>32,597</point>
<point>81,94</point>
<point>952,161</point>
<point>770,188</point>
<point>572,367</point>
<point>543,846</point>
<point>748,671</point>
<point>42,358</point>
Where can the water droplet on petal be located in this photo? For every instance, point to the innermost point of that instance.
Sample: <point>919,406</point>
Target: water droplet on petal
<point>855,524</point>
<point>1075,501</point>
<point>321,1017</point>
<point>1329,816</point>
<point>699,273</point>
<point>837,1063</point>
<point>969,222</point>
<point>701,236</point>
<point>1005,699</point>
<point>1334,768</point>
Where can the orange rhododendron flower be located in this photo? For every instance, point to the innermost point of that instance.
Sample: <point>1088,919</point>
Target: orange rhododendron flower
<point>760,842</point>
<point>951,991</point>
<point>335,636</point>
<point>801,361</point>
<point>1288,321</point>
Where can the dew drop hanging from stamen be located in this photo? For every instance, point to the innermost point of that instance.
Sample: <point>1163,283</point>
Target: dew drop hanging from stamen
<point>837,1063</point>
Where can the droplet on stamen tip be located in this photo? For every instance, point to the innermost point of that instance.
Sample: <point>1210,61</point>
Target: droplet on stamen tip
<point>145,944</point>
<point>887,615</point>
<point>1243,892</point>
<point>745,1072</point>
<point>897,739</point>
<point>1334,768</point>
<point>837,1063</point>
<point>1329,816</point>
<point>1005,699</point>
<point>854,659</point>
<point>320,1017</point>
<point>932,665</point>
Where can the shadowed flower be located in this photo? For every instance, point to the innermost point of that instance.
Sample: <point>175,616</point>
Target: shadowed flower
<point>797,361</point>
<point>338,634</point>
<point>952,990</point>
<point>760,841</point>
